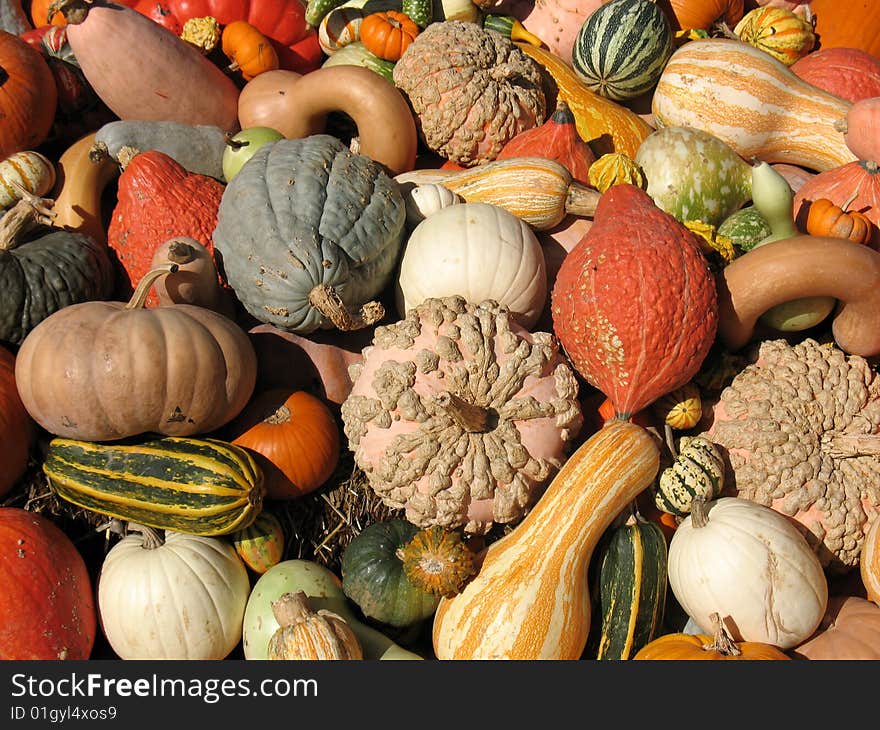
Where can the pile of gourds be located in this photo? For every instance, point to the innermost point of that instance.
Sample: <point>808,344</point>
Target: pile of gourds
<point>590,293</point>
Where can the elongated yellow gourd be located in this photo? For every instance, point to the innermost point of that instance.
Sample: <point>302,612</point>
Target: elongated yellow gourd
<point>538,190</point>
<point>530,599</point>
<point>753,102</point>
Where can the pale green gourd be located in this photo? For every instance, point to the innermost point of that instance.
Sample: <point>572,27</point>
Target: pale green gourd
<point>773,198</point>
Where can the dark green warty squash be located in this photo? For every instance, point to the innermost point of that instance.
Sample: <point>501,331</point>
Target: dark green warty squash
<point>308,233</point>
<point>43,269</point>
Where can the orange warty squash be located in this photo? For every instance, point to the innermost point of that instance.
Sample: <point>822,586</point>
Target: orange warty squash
<point>28,96</point>
<point>557,139</point>
<point>249,51</point>
<point>387,34</point>
<point>850,73</point>
<point>295,437</point>
<point>634,303</point>
<point>16,427</point>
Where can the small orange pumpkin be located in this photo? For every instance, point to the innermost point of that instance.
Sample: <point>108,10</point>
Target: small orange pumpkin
<point>827,219</point>
<point>296,439</point>
<point>248,50</point>
<point>701,647</point>
<point>387,34</point>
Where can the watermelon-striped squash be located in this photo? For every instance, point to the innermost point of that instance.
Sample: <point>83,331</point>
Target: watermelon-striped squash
<point>197,486</point>
<point>622,48</point>
<point>632,588</point>
<point>698,471</point>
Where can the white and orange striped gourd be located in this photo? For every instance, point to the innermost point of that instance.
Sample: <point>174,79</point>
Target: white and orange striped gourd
<point>753,102</point>
<point>530,599</point>
<point>537,190</point>
<point>869,563</point>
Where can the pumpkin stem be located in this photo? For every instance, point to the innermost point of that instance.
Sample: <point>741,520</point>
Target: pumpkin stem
<point>282,415</point>
<point>699,513</point>
<point>846,445</point>
<point>841,125</point>
<point>722,27</point>
<point>722,642</point>
<point>670,440</point>
<point>472,418</point>
<point>291,608</point>
<point>28,213</point>
<point>325,299</point>
<point>98,152</point>
<point>180,252</point>
<point>125,155</point>
<point>151,539</point>
<point>140,293</point>
<point>581,199</point>
<point>74,11</point>
<point>851,198</point>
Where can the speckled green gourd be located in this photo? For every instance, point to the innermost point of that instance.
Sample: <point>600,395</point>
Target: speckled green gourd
<point>746,227</point>
<point>693,175</point>
<point>308,214</point>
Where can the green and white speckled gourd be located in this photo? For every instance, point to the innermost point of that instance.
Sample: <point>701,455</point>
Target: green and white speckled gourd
<point>773,199</point>
<point>309,233</point>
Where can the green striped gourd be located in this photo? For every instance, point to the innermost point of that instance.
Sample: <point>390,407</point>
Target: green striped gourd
<point>632,588</point>
<point>622,48</point>
<point>698,471</point>
<point>753,102</point>
<point>197,486</point>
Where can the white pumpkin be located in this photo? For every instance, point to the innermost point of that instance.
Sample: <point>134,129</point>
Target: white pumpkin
<point>477,251</point>
<point>183,598</point>
<point>750,564</point>
<point>424,200</point>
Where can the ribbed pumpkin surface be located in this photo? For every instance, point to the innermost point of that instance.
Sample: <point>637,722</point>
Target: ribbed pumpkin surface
<point>622,48</point>
<point>198,486</point>
<point>157,199</point>
<point>634,303</point>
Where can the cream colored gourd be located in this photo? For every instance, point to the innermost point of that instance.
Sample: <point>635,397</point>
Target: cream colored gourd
<point>424,200</point>
<point>24,171</point>
<point>540,191</point>
<point>530,599</point>
<point>749,563</point>
<point>178,598</point>
<point>753,102</point>
<point>477,251</point>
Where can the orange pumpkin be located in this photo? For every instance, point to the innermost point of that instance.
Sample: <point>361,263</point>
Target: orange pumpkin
<point>388,34</point>
<point>702,647</point>
<point>39,14</point>
<point>851,24</point>
<point>16,427</point>
<point>684,14</point>
<point>248,49</point>
<point>827,219</point>
<point>295,437</point>
<point>28,96</point>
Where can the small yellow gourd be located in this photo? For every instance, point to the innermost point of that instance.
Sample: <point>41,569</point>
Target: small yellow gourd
<point>310,635</point>
<point>783,34</point>
<point>681,408</point>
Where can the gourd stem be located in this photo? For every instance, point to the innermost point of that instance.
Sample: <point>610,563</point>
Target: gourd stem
<point>855,194</point>
<point>291,608</point>
<point>325,299</point>
<point>699,514</point>
<point>581,199</point>
<point>282,415</point>
<point>140,293</point>
<point>670,440</point>
<point>846,445</point>
<point>180,252</point>
<point>151,539</point>
<point>29,212</point>
<point>74,11</point>
<point>235,144</point>
<point>722,642</point>
<point>472,418</point>
<point>125,155</point>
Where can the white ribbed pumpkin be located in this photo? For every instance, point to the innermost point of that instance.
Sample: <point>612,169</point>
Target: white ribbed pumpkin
<point>181,599</point>
<point>751,565</point>
<point>477,251</point>
<point>427,199</point>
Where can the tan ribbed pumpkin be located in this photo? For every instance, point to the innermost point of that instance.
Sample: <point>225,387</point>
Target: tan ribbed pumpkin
<point>310,635</point>
<point>530,599</point>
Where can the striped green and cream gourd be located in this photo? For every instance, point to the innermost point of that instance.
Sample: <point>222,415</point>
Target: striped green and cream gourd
<point>530,598</point>
<point>754,103</point>
<point>632,588</point>
<point>622,48</point>
<point>24,172</point>
<point>197,486</point>
<point>698,471</point>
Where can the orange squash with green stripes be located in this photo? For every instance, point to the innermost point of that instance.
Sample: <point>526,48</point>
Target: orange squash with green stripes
<point>197,486</point>
<point>530,599</point>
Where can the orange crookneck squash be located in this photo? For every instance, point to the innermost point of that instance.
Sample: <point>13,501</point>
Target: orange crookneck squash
<point>296,438</point>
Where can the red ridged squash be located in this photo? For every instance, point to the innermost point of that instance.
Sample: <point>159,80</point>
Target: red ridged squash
<point>158,199</point>
<point>850,73</point>
<point>46,606</point>
<point>634,303</point>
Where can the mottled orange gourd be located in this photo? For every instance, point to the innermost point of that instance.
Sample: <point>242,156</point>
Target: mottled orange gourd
<point>158,199</point>
<point>634,303</point>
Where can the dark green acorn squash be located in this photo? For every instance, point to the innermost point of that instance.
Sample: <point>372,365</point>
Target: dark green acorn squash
<point>373,575</point>
<point>43,269</point>
<point>308,233</point>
